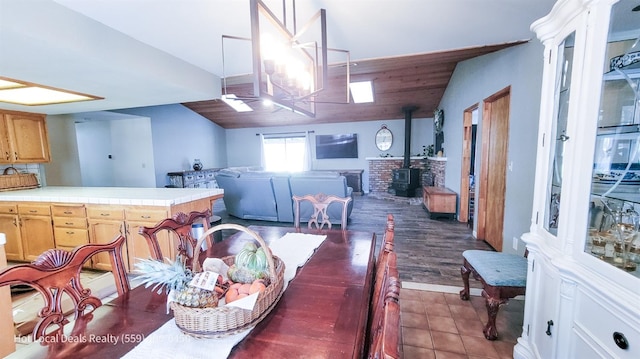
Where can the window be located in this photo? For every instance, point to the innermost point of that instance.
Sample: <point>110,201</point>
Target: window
<point>284,154</point>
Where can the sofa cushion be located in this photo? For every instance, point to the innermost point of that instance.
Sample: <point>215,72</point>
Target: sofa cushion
<point>257,199</point>
<point>227,172</point>
<point>259,174</point>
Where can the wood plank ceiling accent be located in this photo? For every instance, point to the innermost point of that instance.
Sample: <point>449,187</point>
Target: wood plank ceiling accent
<point>418,80</point>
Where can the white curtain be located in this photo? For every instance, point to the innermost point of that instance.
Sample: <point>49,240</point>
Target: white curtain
<point>306,164</point>
<point>263,160</point>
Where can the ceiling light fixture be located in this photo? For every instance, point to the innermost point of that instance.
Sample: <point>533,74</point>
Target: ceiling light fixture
<point>29,94</point>
<point>290,67</point>
<point>362,91</point>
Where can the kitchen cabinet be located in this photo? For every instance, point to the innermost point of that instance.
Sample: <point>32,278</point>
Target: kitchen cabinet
<point>137,247</point>
<point>80,215</point>
<point>105,224</point>
<point>36,230</point>
<point>24,138</point>
<point>9,225</point>
<point>70,226</point>
<point>582,284</point>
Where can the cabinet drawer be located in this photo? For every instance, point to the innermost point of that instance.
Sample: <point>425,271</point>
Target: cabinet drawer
<point>70,237</point>
<point>8,208</point>
<point>600,323</point>
<point>105,213</point>
<point>67,211</point>
<point>146,215</point>
<point>70,222</point>
<point>34,209</point>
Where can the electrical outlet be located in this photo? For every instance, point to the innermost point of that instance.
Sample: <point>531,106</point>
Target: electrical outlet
<point>515,243</point>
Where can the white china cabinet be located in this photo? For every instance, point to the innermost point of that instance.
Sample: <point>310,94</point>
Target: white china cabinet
<point>583,282</point>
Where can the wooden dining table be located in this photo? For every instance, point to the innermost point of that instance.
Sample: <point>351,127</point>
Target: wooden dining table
<point>322,313</point>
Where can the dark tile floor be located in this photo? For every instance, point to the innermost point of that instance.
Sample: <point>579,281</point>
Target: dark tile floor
<point>435,322</point>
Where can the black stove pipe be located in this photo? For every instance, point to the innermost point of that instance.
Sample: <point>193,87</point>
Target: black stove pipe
<point>407,134</point>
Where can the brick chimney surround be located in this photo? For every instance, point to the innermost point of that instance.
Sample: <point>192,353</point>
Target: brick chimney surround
<point>380,169</point>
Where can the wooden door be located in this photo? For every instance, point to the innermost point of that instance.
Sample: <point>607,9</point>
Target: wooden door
<point>467,141</point>
<point>492,186</point>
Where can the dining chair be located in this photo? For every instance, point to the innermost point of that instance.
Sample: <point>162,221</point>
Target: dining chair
<point>180,226</point>
<point>388,343</point>
<point>384,336</point>
<point>386,247</point>
<point>320,203</point>
<point>387,244</point>
<point>57,272</point>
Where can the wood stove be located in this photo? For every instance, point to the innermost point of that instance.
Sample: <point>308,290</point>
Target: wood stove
<point>405,180</point>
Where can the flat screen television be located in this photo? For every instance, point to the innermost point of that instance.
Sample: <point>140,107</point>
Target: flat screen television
<point>337,146</point>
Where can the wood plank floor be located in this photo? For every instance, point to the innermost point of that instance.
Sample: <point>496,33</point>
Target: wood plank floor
<point>429,250</point>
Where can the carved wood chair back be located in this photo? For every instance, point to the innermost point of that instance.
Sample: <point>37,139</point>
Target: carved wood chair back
<point>387,240</point>
<point>57,272</point>
<point>388,344</point>
<point>386,247</point>
<point>180,226</point>
<point>320,203</point>
<point>384,333</point>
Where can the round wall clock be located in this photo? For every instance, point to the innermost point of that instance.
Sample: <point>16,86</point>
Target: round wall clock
<point>384,138</point>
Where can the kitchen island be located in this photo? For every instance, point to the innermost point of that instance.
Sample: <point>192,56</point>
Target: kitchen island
<point>35,220</point>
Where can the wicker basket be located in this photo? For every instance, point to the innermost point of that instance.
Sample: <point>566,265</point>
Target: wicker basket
<point>226,320</point>
<point>17,180</point>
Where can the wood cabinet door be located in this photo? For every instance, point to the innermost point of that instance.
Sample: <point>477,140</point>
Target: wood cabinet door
<point>103,232</point>
<point>9,226</point>
<point>28,136</point>
<point>138,248</point>
<point>5,148</point>
<point>37,235</point>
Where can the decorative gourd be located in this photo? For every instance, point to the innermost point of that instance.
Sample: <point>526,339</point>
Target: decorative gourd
<point>251,257</point>
<point>250,264</point>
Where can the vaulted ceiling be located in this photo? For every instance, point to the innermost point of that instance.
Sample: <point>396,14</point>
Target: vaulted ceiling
<point>138,53</point>
<point>418,80</point>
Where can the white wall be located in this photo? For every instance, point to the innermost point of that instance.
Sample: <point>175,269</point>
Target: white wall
<point>476,79</point>
<point>172,137</point>
<point>116,153</point>
<point>64,168</point>
<point>179,136</point>
<point>243,146</point>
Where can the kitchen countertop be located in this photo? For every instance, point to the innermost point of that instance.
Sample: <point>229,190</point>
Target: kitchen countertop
<point>111,195</point>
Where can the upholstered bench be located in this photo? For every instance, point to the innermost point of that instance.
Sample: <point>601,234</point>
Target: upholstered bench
<point>503,276</point>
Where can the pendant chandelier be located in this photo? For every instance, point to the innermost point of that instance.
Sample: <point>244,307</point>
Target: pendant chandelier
<point>289,65</point>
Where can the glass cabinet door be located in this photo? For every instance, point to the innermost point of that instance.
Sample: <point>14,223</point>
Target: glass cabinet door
<point>614,217</point>
<point>558,135</point>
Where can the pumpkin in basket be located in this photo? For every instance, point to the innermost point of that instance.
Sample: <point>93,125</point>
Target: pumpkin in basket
<point>250,264</point>
<point>174,276</point>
